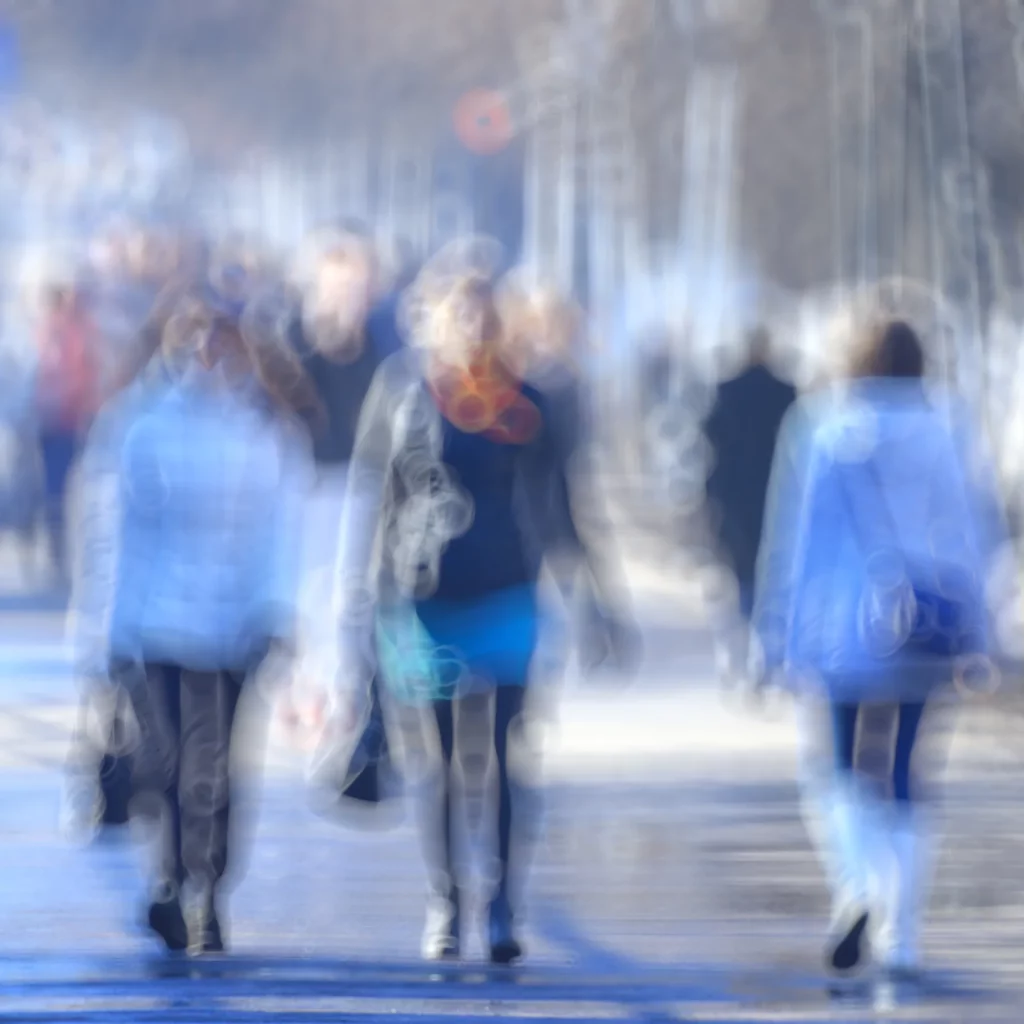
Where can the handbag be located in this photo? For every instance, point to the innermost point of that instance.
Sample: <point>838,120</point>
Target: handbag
<point>369,765</point>
<point>116,777</point>
<point>106,755</point>
<point>345,776</point>
<point>923,609</point>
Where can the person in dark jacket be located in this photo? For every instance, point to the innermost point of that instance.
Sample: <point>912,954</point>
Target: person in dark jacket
<point>341,337</point>
<point>331,334</point>
<point>741,429</point>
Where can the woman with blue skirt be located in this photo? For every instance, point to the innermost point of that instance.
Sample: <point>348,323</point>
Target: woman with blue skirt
<point>450,512</point>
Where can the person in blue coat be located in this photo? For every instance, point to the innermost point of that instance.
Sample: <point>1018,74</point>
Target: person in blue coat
<point>192,580</point>
<point>881,538</point>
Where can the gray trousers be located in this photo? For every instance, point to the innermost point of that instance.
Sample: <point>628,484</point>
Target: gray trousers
<point>184,767</point>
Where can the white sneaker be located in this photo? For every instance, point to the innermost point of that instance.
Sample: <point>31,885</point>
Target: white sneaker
<point>441,933</point>
<point>898,941</point>
<point>851,841</point>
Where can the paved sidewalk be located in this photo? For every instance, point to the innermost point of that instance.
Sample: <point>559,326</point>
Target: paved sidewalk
<point>690,901</point>
<point>669,883</point>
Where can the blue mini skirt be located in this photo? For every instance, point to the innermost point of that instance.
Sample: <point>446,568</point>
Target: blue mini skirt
<point>440,650</point>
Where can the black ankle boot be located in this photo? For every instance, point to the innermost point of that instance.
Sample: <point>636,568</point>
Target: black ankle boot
<point>505,947</point>
<point>166,920</point>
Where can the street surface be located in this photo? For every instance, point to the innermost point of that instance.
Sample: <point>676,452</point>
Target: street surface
<point>672,877</point>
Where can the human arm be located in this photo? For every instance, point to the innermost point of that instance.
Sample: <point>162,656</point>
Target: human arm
<point>294,478</point>
<point>581,541</point>
<point>783,538</point>
<point>994,554</point>
<point>97,529</point>
<point>354,597</point>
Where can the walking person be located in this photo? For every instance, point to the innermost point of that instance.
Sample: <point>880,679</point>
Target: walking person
<point>741,428</point>
<point>546,346</point>
<point>67,396</point>
<point>98,790</point>
<point>332,336</point>
<point>880,536</point>
<point>210,486</point>
<point>448,518</point>
<point>20,471</point>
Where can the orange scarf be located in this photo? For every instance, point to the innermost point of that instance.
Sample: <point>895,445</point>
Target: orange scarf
<point>486,399</point>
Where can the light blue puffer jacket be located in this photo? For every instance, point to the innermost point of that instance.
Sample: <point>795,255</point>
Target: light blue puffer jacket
<point>208,511</point>
<point>874,475</point>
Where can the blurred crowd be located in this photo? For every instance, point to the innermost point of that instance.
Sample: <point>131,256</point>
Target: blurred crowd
<point>334,487</point>
<point>344,481</point>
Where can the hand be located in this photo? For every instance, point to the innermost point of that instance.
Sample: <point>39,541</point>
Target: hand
<point>608,640</point>
<point>766,685</point>
<point>309,719</point>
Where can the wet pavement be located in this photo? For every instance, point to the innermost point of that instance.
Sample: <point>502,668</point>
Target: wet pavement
<point>672,880</point>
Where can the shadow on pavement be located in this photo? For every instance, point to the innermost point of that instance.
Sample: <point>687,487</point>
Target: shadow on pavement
<point>281,988</point>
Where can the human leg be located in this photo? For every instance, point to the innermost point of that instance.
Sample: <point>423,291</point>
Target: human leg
<point>155,692</point>
<point>441,938</point>
<point>910,839</point>
<point>847,832</point>
<point>208,706</point>
<point>504,946</point>
<point>58,452</point>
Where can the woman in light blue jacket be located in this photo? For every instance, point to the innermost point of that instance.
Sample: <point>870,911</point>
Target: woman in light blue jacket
<point>881,536</point>
<point>198,580</point>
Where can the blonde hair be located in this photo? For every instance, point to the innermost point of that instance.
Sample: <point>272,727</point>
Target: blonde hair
<point>538,318</point>
<point>451,309</point>
<point>461,321</point>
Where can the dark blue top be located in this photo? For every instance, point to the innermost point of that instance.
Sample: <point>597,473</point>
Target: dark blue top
<point>507,482</point>
<point>342,386</point>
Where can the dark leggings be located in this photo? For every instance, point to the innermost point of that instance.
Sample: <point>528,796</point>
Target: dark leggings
<point>845,718</point>
<point>478,736</point>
